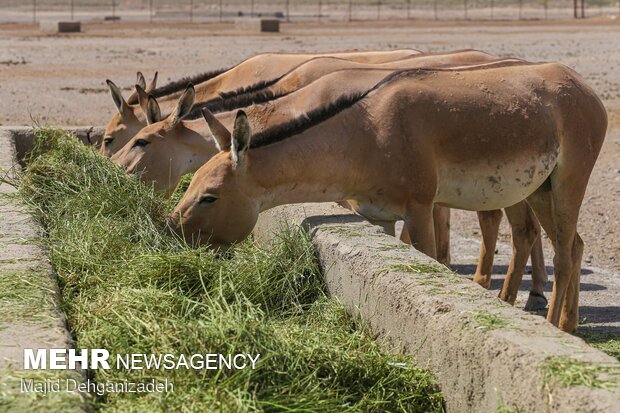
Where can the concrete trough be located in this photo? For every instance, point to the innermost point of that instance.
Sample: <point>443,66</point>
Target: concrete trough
<point>55,26</point>
<point>34,319</point>
<point>486,355</point>
<point>258,25</point>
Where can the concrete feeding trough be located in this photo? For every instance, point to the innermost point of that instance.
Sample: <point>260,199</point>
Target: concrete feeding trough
<point>258,25</point>
<point>55,26</point>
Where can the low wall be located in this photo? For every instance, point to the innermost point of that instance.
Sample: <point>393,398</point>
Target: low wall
<point>485,354</point>
<point>30,312</point>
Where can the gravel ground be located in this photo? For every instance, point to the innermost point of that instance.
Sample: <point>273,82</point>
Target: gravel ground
<point>60,80</point>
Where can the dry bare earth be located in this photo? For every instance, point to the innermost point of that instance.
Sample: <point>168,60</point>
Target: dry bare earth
<point>60,80</point>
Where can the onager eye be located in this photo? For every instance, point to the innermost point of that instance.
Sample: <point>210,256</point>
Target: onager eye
<point>108,140</point>
<point>141,143</point>
<point>208,199</point>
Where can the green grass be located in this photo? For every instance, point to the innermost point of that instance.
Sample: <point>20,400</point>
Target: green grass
<point>57,402</point>
<point>487,321</point>
<point>129,287</point>
<point>606,342</point>
<point>567,372</point>
<point>421,268</point>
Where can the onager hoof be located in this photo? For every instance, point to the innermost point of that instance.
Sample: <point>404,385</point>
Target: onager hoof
<point>535,302</point>
<point>483,280</point>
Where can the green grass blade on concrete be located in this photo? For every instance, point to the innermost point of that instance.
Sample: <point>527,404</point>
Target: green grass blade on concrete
<point>130,288</point>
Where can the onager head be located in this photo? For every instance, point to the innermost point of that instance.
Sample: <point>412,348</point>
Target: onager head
<point>218,207</point>
<point>160,152</point>
<point>128,119</point>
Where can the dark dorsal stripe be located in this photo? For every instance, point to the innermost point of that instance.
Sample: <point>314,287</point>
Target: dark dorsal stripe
<point>314,117</point>
<point>249,89</point>
<point>226,105</point>
<point>181,84</point>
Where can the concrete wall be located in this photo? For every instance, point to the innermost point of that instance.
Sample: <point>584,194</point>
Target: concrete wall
<point>30,313</point>
<point>485,354</point>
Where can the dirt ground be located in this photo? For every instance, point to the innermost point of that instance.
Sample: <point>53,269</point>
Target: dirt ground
<point>60,80</point>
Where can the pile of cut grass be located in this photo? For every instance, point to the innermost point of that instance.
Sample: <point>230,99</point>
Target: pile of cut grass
<point>130,288</point>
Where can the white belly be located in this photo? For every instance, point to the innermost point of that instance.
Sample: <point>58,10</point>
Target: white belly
<point>487,184</point>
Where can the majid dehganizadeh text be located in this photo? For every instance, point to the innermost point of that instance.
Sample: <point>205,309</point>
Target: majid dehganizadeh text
<point>93,359</point>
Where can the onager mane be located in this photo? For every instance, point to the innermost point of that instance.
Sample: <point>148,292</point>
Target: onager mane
<point>181,84</point>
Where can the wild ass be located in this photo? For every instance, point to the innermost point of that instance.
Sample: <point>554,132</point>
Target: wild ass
<point>475,140</point>
<point>254,72</point>
<point>164,151</point>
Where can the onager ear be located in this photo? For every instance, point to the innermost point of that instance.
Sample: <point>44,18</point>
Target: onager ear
<point>240,141</point>
<point>184,106</point>
<point>153,113</point>
<point>143,98</point>
<point>117,96</point>
<point>139,81</point>
<point>149,106</point>
<point>153,85</point>
<point>219,131</point>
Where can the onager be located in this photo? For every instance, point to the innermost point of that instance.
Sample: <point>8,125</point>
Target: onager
<point>164,151</point>
<point>477,140</point>
<point>255,72</point>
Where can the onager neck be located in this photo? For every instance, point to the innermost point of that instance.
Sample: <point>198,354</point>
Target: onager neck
<point>314,166</point>
<point>196,147</point>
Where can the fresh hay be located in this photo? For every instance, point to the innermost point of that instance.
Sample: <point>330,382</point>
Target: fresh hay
<point>129,287</point>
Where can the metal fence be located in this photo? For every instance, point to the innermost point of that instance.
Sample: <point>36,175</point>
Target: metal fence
<point>212,11</point>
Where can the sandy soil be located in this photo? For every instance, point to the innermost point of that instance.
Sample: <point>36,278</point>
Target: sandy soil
<point>61,80</point>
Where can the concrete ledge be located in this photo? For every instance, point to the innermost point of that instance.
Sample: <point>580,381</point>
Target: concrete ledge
<point>54,26</point>
<point>258,25</point>
<point>23,136</point>
<point>485,354</point>
<point>30,313</point>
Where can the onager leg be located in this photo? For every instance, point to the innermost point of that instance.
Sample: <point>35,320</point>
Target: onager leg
<point>525,231</point>
<point>489,226</point>
<point>441,219</point>
<point>569,320</point>
<point>558,211</point>
<point>536,300</point>
<point>420,227</point>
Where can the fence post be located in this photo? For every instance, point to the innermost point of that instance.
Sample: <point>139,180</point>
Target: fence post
<point>583,9</point>
<point>574,9</point>
<point>350,10</point>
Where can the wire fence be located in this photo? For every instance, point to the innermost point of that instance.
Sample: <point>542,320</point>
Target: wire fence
<point>212,11</point>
